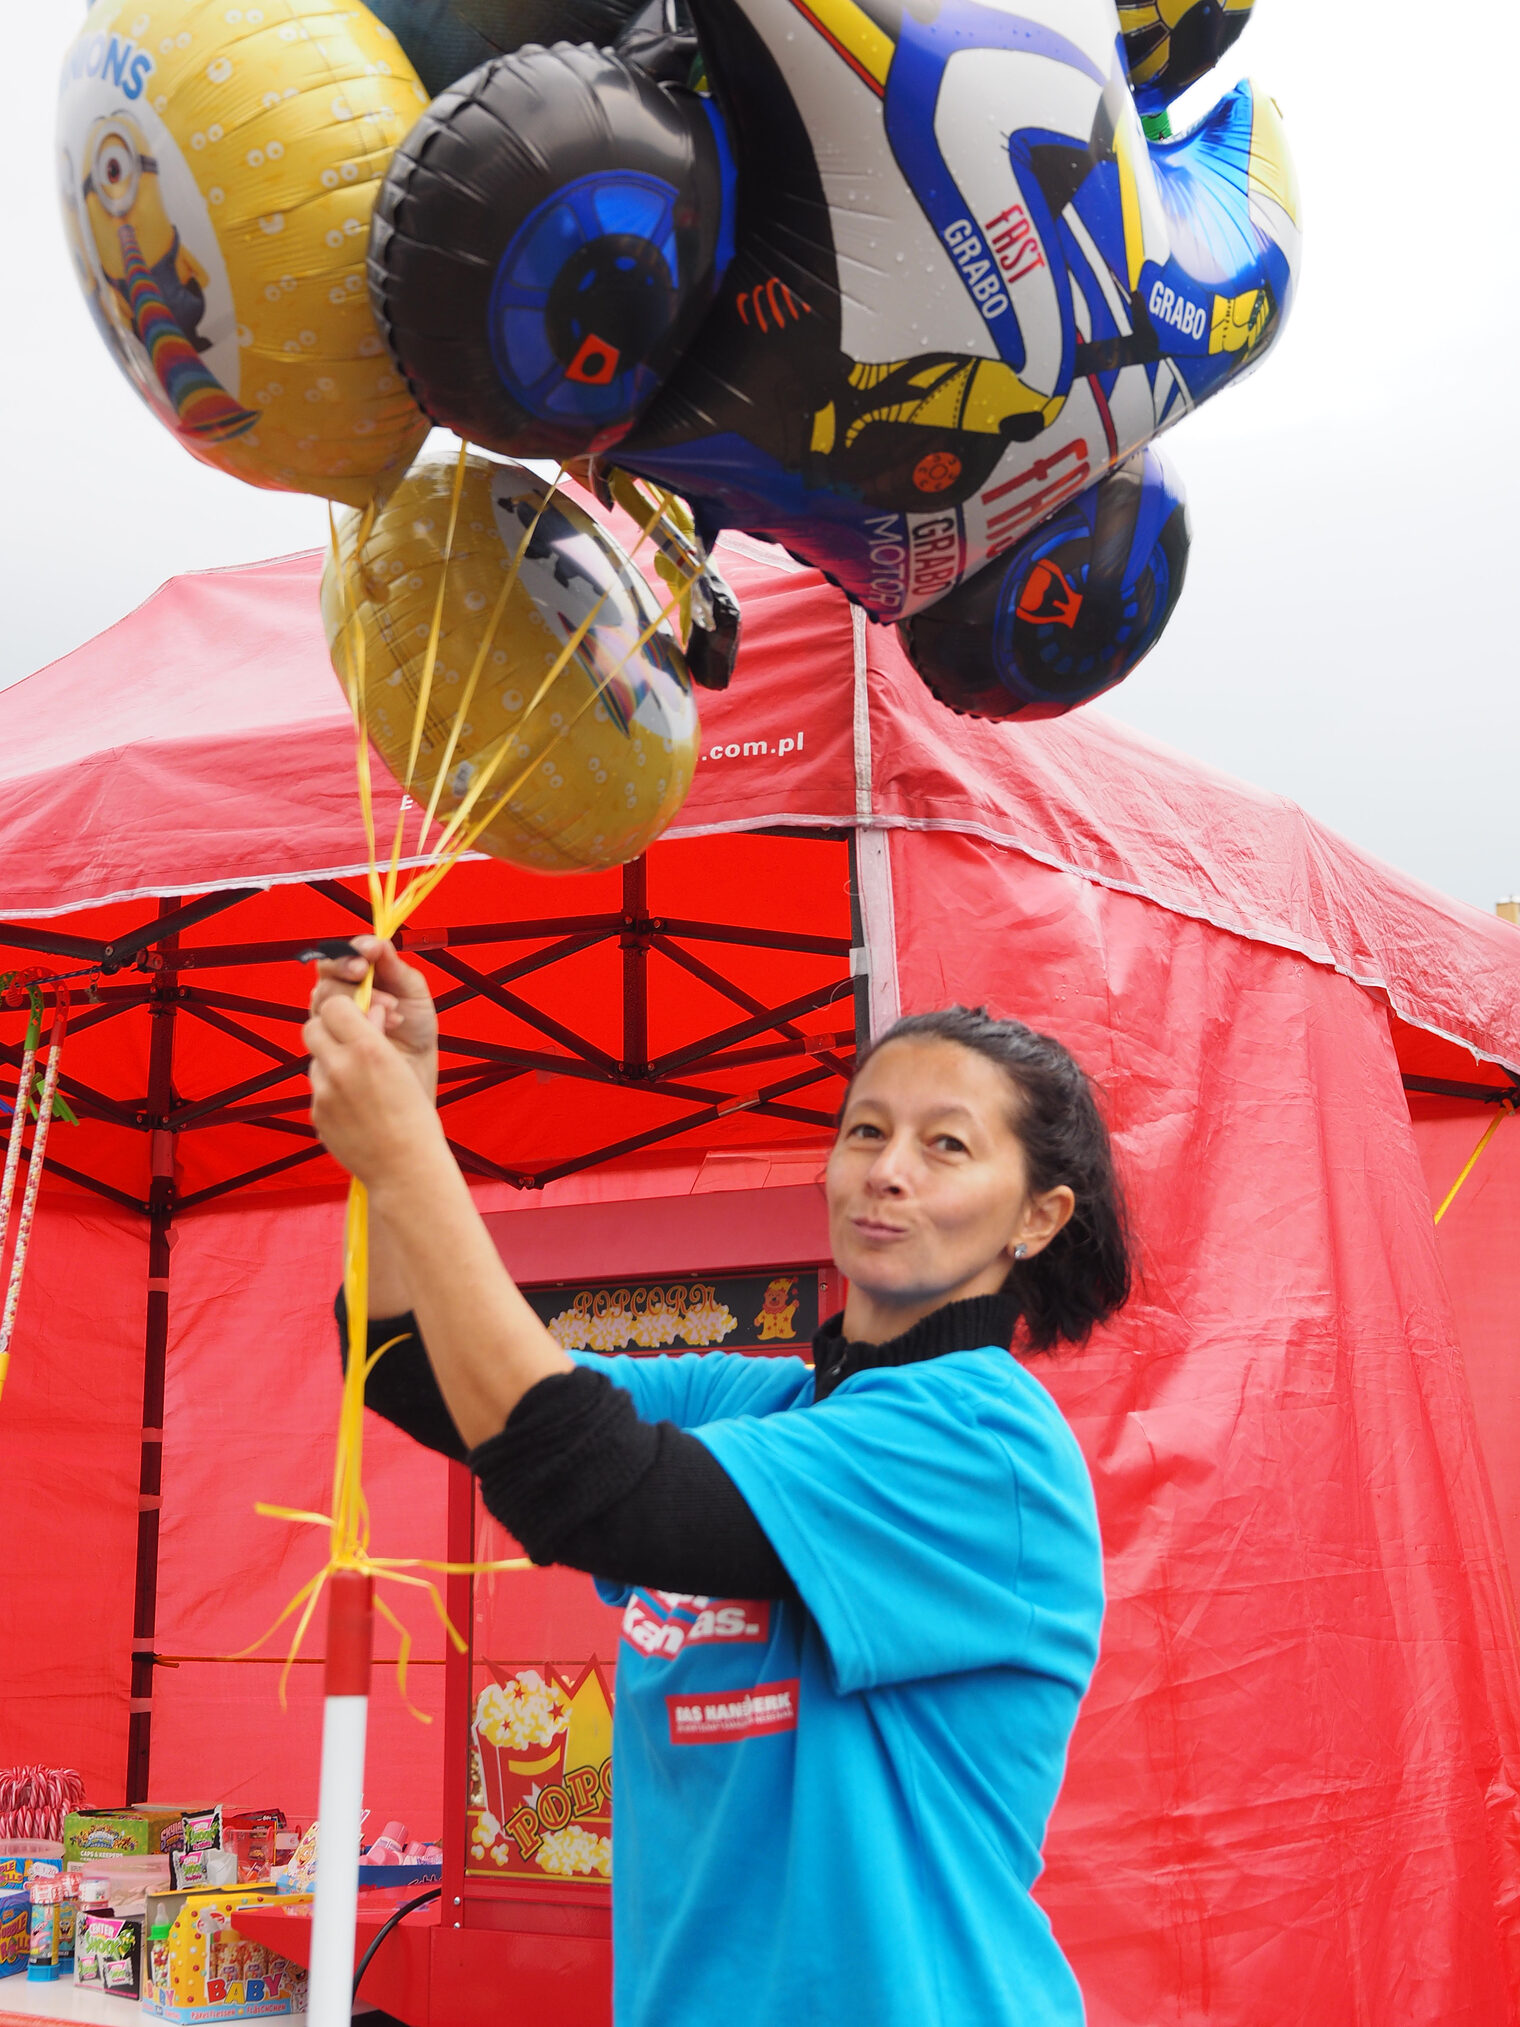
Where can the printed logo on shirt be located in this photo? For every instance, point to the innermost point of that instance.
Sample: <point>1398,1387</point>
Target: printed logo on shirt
<point>734,1714</point>
<point>663,1623</point>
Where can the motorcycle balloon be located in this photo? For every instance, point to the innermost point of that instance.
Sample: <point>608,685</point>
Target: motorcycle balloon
<point>1070,611</point>
<point>546,244</point>
<point>217,170</point>
<point>446,38</point>
<point>966,285</point>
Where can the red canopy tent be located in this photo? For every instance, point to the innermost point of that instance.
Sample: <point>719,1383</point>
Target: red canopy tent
<point>1292,1790</point>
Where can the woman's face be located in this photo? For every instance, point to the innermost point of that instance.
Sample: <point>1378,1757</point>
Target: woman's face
<point>927,1185</point>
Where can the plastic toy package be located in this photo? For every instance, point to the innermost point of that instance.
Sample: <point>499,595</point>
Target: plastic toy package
<point>199,1968</point>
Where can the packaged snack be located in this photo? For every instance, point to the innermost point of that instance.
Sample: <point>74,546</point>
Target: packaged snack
<point>44,1953</point>
<point>19,1854</point>
<point>253,1834</point>
<point>203,1829</point>
<point>124,1833</point>
<point>126,1879</point>
<point>299,1876</point>
<point>157,1975</point>
<point>68,1917</point>
<point>94,1905</point>
<point>117,1944</point>
<point>189,1869</point>
<point>15,1930</point>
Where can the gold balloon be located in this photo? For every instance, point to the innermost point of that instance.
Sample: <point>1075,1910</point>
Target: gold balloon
<point>593,759</point>
<point>217,169</point>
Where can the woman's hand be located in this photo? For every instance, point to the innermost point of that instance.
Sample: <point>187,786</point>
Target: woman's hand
<point>409,1019</point>
<point>369,1099</point>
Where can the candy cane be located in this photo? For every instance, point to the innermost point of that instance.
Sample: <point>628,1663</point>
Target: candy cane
<point>35,1800</point>
<point>33,1168</point>
<point>18,1120</point>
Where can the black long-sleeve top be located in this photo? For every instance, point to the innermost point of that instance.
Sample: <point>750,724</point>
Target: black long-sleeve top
<point>580,1479</point>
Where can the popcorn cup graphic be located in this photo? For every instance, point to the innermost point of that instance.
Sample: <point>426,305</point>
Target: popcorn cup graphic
<point>543,1745</point>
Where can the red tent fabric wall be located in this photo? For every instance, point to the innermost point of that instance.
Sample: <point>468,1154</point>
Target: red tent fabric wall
<point>1290,1794</point>
<point>69,1447</point>
<point>1478,1241</point>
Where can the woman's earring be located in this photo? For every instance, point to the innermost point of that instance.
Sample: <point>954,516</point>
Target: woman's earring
<point>1020,1250</point>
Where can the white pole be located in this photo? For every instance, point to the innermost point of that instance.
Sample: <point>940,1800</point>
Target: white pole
<point>350,1622</point>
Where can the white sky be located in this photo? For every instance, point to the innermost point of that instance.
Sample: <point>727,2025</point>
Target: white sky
<point>1348,635</point>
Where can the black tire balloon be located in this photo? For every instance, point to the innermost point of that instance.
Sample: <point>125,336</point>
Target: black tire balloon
<point>1068,612</point>
<point>547,239</point>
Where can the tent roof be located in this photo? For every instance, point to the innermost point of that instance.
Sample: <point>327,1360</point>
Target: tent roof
<point>203,742</point>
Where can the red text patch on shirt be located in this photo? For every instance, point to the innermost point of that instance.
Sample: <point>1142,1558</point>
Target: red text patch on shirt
<point>740,1713</point>
<point>661,1623</point>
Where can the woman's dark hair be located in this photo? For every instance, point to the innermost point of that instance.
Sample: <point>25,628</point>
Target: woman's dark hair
<point>1083,1275</point>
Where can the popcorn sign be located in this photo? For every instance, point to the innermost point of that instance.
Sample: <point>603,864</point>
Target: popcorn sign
<point>542,1795</point>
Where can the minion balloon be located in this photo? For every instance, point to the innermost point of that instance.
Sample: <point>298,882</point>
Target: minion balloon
<point>217,165</point>
<point>909,288</point>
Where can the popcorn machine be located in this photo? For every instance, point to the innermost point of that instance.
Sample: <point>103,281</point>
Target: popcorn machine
<point>528,1844</point>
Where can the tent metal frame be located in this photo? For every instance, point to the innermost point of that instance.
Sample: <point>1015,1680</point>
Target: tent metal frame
<point>786,1060</point>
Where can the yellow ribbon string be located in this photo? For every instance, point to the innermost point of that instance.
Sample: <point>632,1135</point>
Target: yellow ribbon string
<point>390,906</point>
<point>487,643</point>
<point>1505,1108</point>
<point>428,880</point>
<point>425,682</point>
<point>447,851</point>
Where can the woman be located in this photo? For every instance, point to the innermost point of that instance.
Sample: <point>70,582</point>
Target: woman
<point>831,1800</point>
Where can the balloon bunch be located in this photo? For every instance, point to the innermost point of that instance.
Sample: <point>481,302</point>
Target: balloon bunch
<point>908,288</point>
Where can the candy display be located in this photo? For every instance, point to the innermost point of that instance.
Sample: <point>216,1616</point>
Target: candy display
<point>140,1903</point>
<point>396,1859</point>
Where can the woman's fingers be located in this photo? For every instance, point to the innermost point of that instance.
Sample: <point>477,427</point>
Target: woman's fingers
<point>366,1104</point>
<point>399,977</point>
<point>328,988</point>
<point>399,987</point>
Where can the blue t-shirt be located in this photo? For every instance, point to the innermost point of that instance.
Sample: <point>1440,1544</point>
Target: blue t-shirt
<point>832,1811</point>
